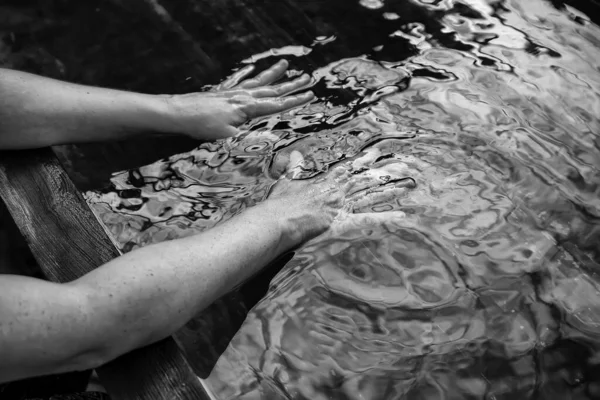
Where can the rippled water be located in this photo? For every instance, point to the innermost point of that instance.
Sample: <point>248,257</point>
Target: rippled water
<point>488,289</point>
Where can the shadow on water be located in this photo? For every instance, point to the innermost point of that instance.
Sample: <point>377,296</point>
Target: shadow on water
<point>488,289</point>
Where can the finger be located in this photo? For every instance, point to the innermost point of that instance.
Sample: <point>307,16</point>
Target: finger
<point>262,107</point>
<point>231,131</point>
<point>366,158</point>
<point>378,218</point>
<point>364,180</point>
<point>370,179</point>
<point>366,220</point>
<point>266,77</point>
<point>281,89</point>
<point>339,172</point>
<point>222,133</point>
<point>235,79</point>
<point>340,176</point>
<point>378,201</point>
<point>295,164</point>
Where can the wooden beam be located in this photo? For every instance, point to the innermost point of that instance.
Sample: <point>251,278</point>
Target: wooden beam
<point>180,46</point>
<point>68,241</point>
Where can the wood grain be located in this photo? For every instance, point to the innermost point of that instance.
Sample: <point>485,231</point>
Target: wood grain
<point>175,46</point>
<point>68,241</point>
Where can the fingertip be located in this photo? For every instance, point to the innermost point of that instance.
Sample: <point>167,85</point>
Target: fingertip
<point>338,172</point>
<point>395,217</point>
<point>398,214</point>
<point>296,158</point>
<point>299,99</point>
<point>251,68</point>
<point>305,96</point>
<point>301,80</point>
<point>295,162</point>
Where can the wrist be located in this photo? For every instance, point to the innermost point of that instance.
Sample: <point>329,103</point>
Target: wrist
<point>295,226</point>
<point>159,114</point>
<point>134,113</point>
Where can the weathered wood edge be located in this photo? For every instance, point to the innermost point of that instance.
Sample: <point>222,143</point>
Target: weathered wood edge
<point>68,241</point>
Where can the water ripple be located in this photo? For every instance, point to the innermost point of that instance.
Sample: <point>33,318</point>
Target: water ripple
<point>489,288</point>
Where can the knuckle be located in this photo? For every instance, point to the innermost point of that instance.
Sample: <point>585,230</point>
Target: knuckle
<point>243,115</point>
<point>250,82</point>
<point>242,99</point>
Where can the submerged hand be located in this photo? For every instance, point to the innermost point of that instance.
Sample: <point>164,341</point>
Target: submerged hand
<point>217,114</point>
<point>310,207</point>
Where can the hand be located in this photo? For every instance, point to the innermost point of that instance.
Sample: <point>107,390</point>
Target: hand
<point>310,207</point>
<point>217,114</point>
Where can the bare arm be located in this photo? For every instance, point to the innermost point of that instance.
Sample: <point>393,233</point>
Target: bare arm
<point>132,301</point>
<point>148,294</point>
<point>38,112</point>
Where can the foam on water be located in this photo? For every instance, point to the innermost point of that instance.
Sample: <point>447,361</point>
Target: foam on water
<point>488,289</point>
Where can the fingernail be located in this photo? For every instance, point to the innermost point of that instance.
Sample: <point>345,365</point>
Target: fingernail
<point>310,93</point>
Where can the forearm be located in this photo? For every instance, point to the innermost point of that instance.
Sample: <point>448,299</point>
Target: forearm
<point>37,112</point>
<point>146,295</point>
<point>132,301</point>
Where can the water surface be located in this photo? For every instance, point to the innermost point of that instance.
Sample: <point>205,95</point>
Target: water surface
<point>488,288</point>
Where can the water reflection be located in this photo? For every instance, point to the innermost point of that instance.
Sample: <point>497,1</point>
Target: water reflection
<point>489,288</point>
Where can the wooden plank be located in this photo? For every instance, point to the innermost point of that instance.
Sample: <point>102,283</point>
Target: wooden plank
<point>175,43</point>
<point>15,256</point>
<point>68,241</point>
<point>231,30</point>
<point>226,30</point>
<point>162,46</point>
<point>102,43</point>
<point>137,35</point>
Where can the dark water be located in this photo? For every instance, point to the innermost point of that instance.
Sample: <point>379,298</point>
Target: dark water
<point>488,289</point>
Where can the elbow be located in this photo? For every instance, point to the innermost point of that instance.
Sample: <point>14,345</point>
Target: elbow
<point>71,358</point>
<point>104,349</point>
<point>89,359</point>
<point>110,330</point>
<point>97,352</point>
<point>92,351</point>
<point>96,342</point>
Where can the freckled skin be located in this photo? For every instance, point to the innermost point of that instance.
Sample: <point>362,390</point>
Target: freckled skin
<point>147,294</point>
<point>38,112</point>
